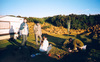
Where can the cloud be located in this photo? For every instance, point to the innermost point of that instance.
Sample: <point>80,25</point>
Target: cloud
<point>87,9</point>
<point>81,11</point>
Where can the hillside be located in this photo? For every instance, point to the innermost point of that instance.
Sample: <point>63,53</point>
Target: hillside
<point>49,28</point>
<point>89,36</point>
<point>58,37</point>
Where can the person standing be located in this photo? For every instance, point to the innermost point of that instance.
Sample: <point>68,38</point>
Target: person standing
<point>37,32</point>
<point>24,32</point>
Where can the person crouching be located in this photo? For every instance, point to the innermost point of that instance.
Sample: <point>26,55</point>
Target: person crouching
<point>74,44</point>
<point>44,46</point>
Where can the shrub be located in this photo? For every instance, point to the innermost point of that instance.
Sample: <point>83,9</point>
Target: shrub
<point>32,19</point>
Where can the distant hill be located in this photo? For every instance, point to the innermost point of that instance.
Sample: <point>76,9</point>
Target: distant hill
<point>77,21</point>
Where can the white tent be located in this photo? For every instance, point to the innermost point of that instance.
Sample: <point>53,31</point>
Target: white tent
<point>9,25</point>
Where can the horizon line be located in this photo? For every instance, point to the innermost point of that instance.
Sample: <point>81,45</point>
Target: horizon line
<point>49,16</point>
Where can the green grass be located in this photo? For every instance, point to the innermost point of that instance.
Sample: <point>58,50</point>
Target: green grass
<point>4,43</point>
<point>58,48</point>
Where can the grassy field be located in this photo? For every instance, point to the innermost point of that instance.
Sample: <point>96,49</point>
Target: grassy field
<point>9,51</point>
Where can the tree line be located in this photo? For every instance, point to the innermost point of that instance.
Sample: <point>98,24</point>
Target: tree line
<point>77,21</point>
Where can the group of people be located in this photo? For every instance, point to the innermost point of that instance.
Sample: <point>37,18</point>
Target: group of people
<point>24,32</point>
<point>74,44</point>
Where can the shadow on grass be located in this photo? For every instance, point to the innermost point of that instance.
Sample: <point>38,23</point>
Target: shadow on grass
<point>75,57</point>
<point>92,46</point>
<point>68,35</point>
<point>14,42</point>
<point>82,39</point>
<point>12,53</point>
<point>58,41</point>
<point>95,43</point>
<point>79,36</point>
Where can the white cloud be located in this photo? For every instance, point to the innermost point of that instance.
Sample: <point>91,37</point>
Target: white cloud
<point>87,9</point>
<point>81,11</point>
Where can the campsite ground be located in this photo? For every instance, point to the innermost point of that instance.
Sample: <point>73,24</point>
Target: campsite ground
<point>10,52</point>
